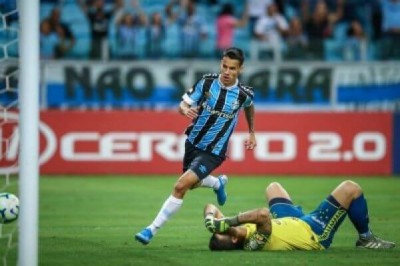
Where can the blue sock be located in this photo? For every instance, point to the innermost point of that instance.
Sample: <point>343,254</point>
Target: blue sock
<point>358,214</point>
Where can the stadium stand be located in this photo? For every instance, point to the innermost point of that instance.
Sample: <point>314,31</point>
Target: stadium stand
<point>75,17</point>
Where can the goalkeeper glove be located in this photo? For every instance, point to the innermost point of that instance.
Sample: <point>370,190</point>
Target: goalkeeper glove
<point>209,223</point>
<point>221,225</point>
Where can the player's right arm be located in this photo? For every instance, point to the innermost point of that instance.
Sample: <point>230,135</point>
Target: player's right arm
<point>188,111</point>
<point>190,100</point>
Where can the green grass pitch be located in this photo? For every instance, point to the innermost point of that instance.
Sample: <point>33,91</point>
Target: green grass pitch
<point>92,220</point>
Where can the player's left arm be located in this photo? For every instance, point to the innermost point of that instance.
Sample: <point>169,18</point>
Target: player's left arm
<point>211,212</point>
<point>261,217</point>
<point>251,142</point>
<point>211,209</point>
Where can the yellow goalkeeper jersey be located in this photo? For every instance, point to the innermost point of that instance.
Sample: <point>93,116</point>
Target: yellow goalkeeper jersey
<point>288,233</point>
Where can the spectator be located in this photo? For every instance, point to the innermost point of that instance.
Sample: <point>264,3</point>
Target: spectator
<point>333,6</point>
<point>132,7</point>
<point>49,40</point>
<point>156,35</point>
<point>297,41</point>
<point>360,10</point>
<point>354,45</point>
<point>319,26</point>
<point>141,35</point>
<point>270,30</point>
<point>192,27</point>
<point>226,24</point>
<point>390,29</point>
<point>256,10</point>
<point>63,31</point>
<point>126,36</point>
<point>99,19</point>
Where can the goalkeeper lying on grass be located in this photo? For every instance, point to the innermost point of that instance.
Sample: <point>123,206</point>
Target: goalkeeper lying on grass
<point>285,227</point>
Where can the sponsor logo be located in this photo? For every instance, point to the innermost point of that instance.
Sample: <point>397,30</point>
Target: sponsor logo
<point>10,136</point>
<point>331,225</point>
<point>218,113</point>
<point>318,221</point>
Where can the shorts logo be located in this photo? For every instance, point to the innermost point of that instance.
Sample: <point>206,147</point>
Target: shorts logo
<point>203,168</point>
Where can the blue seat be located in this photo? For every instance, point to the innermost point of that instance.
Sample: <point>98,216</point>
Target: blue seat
<point>172,45</point>
<point>81,48</point>
<point>291,12</point>
<point>333,50</point>
<point>207,46</point>
<point>241,39</point>
<point>80,28</point>
<point>372,51</point>
<point>72,12</point>
<point>340,31</point>
<point>155,8</point>
<point>112,39</point>
<point>81,32</point>
<point>45,10</point>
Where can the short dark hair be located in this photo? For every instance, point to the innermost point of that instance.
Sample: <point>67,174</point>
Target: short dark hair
<point>235,53</point>
<point>216,244</point>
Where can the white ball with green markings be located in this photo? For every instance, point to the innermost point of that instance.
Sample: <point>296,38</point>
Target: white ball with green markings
<point>9,208</point>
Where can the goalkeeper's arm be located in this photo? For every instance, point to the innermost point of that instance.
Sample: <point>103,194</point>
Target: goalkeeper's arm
<point>260,217</point>
<point>211,212</point>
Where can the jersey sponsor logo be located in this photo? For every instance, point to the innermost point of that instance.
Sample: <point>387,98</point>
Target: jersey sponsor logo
<point>216,112</point>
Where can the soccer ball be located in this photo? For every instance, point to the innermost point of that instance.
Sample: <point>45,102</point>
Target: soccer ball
<point>9,208</point>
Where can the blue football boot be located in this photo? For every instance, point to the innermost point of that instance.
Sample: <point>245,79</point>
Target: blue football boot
<point>144,236</point>
<point>221,193</point>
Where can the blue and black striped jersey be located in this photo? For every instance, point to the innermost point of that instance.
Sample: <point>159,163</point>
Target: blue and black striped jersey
<point>218,112</point>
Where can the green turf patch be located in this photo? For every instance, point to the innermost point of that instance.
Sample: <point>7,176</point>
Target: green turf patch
<point>92,220</point>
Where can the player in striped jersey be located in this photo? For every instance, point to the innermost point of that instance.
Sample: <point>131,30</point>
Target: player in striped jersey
<point>285,227</point>
<point>213,105</point>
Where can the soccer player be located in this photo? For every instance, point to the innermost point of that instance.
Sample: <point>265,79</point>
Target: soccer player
<point>284,226</point>
<point>213,105</point>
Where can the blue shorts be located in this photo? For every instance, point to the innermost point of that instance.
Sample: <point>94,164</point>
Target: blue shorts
<point>199,161</point>
<point>324,220</point>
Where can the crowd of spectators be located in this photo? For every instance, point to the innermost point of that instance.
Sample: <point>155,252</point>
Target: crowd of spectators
<point>330,30</point>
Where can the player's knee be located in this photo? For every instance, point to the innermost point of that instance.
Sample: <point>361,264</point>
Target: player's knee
<point>209,206</point>
<point>274,186</point>
<point>180,188</point>
<point>352,188</point>
<point>273,190</point>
